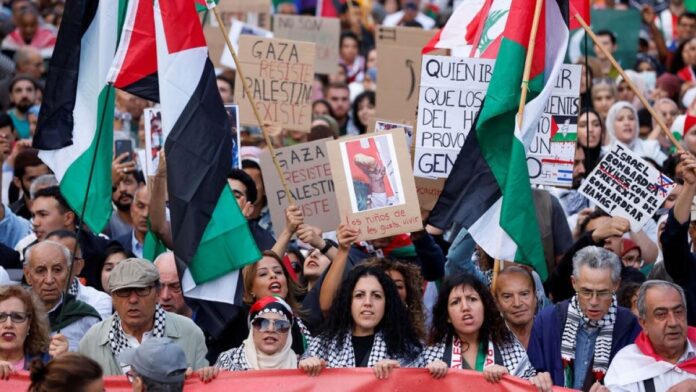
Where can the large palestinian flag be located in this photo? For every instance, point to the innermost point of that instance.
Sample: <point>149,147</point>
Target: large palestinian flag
<point>75,128</point>
<point>488,191</point>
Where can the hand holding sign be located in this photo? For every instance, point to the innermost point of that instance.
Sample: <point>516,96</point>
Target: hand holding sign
<point>346,236</point>
<point>293,218</point>
<point>616,226</point>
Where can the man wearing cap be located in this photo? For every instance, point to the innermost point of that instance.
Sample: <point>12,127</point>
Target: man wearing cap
<point>134,285</point>
<point>157,364</point>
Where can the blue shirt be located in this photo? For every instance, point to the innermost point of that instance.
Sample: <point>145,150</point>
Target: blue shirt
<point>584,353</point>
<point>13,228</point>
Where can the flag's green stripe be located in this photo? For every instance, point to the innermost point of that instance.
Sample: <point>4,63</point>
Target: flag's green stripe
<point>75,180</point>
<point>505,154</point>
<point>122,8</point>
<point>227,243</point>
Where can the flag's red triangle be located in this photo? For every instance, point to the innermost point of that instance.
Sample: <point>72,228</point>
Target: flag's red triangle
<point>554,127</point>
<point>179,20</point>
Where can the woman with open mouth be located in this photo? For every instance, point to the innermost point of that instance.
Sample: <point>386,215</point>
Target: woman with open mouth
<point>368,325</point>
<point>269,344</point>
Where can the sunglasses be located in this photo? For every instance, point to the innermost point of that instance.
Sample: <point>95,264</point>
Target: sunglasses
<point>263,324</point>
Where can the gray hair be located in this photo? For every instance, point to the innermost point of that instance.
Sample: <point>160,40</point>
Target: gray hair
<point>647,285</point>
<point>597,258</point>
<point>66,252</point>
<point>41,182</point>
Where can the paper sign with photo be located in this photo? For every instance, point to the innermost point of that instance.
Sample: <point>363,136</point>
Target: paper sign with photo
<point>154,139</point>
<point>233,116</point>
<point>374,184</point>
<point>381,126</point>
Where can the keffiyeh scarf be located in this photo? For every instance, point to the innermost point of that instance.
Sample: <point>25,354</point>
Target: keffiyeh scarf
<point>602,348</point>
<point>117,338</point>
<point>342,355</point>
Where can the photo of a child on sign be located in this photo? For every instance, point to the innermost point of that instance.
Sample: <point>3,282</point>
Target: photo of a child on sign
<point>373,177</point>
<point>154,139</point>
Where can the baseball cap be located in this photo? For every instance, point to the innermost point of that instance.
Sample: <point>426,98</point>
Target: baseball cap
<point>133,273</point>
<point>157,359</point>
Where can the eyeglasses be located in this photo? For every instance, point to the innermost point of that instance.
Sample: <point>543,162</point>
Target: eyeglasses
<point>601,294</point>
<point>15,317</point>
<point>263,324</point>
<point>140,292</point>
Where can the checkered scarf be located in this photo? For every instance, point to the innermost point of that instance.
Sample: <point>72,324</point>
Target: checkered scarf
<point>74,287</point>
<point>342,355</point>
<point>117,338</point>
<point>603,343</point>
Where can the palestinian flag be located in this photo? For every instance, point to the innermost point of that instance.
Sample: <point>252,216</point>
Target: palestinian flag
<point>211,237</point>
<point>564,128</point>
<point>75,127</point>
<point>488,191</point>
<point>483,22</point>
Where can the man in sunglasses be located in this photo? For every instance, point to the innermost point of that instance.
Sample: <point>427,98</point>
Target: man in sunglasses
<point>134,285</point>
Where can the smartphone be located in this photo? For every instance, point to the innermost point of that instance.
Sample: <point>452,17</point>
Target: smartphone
<point>124,145</point>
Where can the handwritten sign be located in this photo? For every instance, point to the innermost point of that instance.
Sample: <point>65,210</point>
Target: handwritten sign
<point>398,83</point>
<point>551,153</point>
<point>307,172</point>
<point>324,32</point>
<point>279,74</point>
<point>451,94</point>
<point>625,185</point>
<point>374,184</point>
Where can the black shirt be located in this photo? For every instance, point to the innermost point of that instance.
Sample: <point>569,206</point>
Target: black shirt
<point>362,345</point>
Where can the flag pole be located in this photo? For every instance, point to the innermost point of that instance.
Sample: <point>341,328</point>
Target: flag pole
<point>212,6</point>
<point>632,86</point>
<point>528,62</point>
<point>496,271</point>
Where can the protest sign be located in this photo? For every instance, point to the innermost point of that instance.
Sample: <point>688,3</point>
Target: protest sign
<point>233,116</point>
<point>377,125</point>
<point>154,139</point>
<point>429,190</point>
<point>324,32</point>
<point>374,184</point>
<point>400,48</point>
<point>279,74</point>
<point>307,172</point>
<point>236,30</point>
<point>625,185</point>
<point>551,153</point>
<point>451,93</point>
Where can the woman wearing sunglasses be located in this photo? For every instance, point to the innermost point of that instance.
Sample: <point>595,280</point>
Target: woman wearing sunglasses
<point>24,332</point>
<point>269,345</point>
<point>368,326</point>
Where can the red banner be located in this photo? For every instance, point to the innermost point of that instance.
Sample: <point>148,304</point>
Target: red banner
<point>356,379</point>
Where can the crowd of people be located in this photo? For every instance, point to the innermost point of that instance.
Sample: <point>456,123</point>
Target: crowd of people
<point>616,311</point>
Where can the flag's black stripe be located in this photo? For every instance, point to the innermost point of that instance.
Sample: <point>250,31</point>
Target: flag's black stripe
<point>470,190</point>
<point>146,88</point>
<point>55,125</point>
<point>199,152</point>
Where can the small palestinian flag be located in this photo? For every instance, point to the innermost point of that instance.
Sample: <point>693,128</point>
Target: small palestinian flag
<point>564,128</point>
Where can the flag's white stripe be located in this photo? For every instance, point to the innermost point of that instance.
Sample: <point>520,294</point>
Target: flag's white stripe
<point>556,44</point>
<point>126,34</point>
<point>179,75</point>
<point>96,56</point>
<point>453,35</point>
<point>488,234</point>
<point>222,289</point>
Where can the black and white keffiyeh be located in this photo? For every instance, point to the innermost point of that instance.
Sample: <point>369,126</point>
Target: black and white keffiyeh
<point>233,360</point>
<point>602,349</point>
<point>117,338</point>
<point>74,287</point>
<point>342,355</point>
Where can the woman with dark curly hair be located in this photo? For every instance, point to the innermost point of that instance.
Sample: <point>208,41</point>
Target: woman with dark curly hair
<point>367,326</point>
<point>409,283</point>
<point>25,331</point>
<point>468,332</point>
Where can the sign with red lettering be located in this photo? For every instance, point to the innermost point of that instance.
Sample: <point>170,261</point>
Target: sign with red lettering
<point>279,74</point>
<point>374,184</point>
<point>307,172</point>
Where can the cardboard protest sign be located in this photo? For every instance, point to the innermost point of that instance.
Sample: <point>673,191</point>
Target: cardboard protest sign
<point>374,184</point>
<point>324,32</point>
<point>625,185</point>
<point>236,30</point>
<point>399,76</point>
<point>307,172</point>
<point>154,139</point>
<point>451,93</point>
<point>429,190</point>
<point>279,74</point>
<point>233,116</point>
<point>378,126</point>
<point>551,153</point>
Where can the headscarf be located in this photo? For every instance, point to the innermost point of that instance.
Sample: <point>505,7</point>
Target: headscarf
<point>611,117</point>
<point>285,358</point>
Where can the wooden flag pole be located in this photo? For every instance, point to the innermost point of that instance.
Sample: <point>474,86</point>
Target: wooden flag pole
<point>252,102</point>
<point>528,61</point>
<point>632,86</point>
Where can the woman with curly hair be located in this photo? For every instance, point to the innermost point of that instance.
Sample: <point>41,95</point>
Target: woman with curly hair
<point>409,283</point>
<point>468,332</point>
<point>25,331</point>
<point>367,326</point>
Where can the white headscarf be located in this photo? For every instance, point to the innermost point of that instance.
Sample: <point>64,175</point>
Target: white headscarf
<point>285,359</point>
<point>611,117</point>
